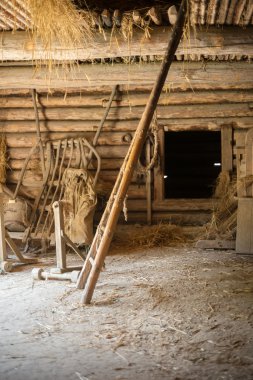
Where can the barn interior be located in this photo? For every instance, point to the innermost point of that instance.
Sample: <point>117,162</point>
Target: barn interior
<point>126,189</point>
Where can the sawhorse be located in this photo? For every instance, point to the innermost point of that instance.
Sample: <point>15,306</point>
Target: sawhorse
<point>61,271</point>
<point>6,263</point>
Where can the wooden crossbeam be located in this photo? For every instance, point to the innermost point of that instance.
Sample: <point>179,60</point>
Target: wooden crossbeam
<point>182,76</point>
<point>210,41</point>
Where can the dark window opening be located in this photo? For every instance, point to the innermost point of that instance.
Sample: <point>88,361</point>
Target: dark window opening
<point>192,163</point>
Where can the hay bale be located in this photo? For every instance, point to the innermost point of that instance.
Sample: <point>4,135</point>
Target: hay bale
<point>224,217</point>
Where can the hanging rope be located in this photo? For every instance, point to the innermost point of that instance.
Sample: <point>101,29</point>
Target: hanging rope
<point>153,136</point>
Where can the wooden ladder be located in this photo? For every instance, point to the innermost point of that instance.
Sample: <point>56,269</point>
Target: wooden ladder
<point>101,242</point>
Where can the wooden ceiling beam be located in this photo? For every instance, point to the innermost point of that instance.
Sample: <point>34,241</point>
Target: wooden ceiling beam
<point>211,41</point>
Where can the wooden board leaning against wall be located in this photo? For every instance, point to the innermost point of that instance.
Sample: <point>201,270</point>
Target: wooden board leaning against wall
<point>78,113</point>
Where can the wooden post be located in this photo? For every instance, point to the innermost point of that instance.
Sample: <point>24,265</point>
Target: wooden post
<point>60,244</point>
<point>148,183</point>
<point>37,120</point>
<point>131,159</point>
<point>3,253</point>
<point>244,234</point>
<point>159,170</point>
<point>249,160</point>
<point>226,148</point>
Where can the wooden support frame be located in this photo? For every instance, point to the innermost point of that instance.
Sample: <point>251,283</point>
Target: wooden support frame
<point>249,159</point>
<point>210,41</point>
<point>219,75</point>
<point>159,170</point>
<point>5,261</point>
<point>227,148</point>
<point>227,140</point>
<point>61,242</point>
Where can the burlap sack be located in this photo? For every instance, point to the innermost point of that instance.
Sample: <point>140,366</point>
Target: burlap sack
<point>79,203</point>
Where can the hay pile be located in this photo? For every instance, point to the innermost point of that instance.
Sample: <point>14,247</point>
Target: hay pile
<point>3,162</point>
<point>60,21</point>
<point>224,217</point>
<point>160,235</point>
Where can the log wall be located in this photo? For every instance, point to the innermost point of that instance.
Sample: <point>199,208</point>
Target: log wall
<point>78,113</point>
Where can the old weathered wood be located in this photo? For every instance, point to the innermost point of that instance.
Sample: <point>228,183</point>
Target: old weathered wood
<point>116,18</point>
<point>148,182</point>
<point>133,113</point>
<point>134,192</point>
<point>184,204</point>
<point>60,244</point>
<point>106,18</point>
<point>108,164</point>
<point>104,151</point>
<point>136,17</point>
<point>159,170</point>
<point>249,160</point>
<point>155,15</point>
<point>103,119</point>
<point>211,14</point>
<point>34,176</point>
<point>215,244</point>
<point>238,11</point>
<point>15,140</point>
<point>129,99</point>
<point>212,41</point>
<point>244,232</point>
<point>240,137</point>
<point>37,123</point>
<point>89,275</point>
<point>3,251</point>
<point>248,13</point>
<point>79,126</point>
<point>231,75</point>
<point>172,14</point>
<point>240,170</point>
<point>227,148</point>
<point>223,11</point>
<point>230,13</point>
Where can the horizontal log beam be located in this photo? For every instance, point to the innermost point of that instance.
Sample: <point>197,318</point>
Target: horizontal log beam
<point>15,140</point>
<point>107,164</point>
<point>103,151</point>
<point>83,126</point>
<point>129,99</point>
<point>214,75</point>
<point>18,46</point>
<point>173,205</point>
<point>130,113</point>
<point>31,186</point>
<point>35,175</point>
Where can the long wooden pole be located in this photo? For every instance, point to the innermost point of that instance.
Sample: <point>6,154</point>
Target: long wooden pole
<point>132,157</point>
<point>37,121</point>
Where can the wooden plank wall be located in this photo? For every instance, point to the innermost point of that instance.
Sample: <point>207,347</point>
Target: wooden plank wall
<point>78,113</point>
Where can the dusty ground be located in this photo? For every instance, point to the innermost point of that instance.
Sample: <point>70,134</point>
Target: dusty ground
<point>167,313</point>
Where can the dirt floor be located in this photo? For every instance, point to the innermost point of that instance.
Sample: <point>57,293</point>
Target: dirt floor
<point>159,313</point>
